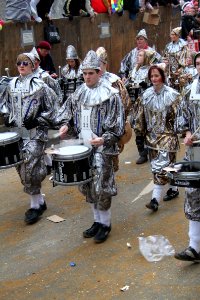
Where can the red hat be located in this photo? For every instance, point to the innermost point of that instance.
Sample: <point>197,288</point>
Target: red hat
<point>44,45</point>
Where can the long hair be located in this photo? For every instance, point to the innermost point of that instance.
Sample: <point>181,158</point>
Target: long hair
<point>162,73</point>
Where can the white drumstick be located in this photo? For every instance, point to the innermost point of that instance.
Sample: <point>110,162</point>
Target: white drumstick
<point>55,135</point>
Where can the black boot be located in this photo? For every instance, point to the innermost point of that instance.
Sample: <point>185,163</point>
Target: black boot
<point>32,215</point>
<point>92,231</point>
<point>153,204</point>
<point>102,233</point>
<point>141,150</point>
<point>170,195</point>
<point>142,160</point>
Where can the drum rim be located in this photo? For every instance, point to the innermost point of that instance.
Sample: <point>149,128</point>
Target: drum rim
<point>9,140</point>
<point>11,165</point>
<point>55,182</point>
<point>71,157</point>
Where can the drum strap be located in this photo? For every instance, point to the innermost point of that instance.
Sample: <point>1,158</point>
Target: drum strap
<point>195,90</point>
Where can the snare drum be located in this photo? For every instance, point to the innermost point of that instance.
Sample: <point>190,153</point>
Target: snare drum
<point>10,154</point>
<point>71,165</point>
<point>187,176</point>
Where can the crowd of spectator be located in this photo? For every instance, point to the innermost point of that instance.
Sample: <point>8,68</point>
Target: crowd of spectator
<point>38,10</point>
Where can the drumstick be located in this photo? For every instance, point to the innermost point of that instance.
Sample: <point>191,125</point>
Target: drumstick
<point>193,136</point>
<point>55,135</point>
<point>195,132</point>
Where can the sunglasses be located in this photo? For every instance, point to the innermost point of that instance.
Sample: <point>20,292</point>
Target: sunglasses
<point>23,63</point>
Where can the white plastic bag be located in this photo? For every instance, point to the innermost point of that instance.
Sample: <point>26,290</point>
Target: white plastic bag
<point>155,247</point>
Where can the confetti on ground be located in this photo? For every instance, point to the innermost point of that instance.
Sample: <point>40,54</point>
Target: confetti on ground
<point>125,288</point>
<point>55,219</point>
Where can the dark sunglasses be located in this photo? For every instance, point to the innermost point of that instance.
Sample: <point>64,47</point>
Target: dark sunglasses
<point>23,63</point>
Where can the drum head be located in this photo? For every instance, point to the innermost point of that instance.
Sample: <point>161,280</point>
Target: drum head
<point>73,150</point>
<point>7,137</point>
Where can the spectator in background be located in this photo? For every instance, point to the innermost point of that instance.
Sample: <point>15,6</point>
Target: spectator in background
<point>133,7</point>
<point>46,63</point>
<point>43,8</point>
<point>18,10</point>
<point>101,6</point>
<point>81,8</point>
<point>187,21</point>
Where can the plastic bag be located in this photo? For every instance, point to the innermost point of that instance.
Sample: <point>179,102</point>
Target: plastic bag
<point>155,247</point>
<point>51,33</point>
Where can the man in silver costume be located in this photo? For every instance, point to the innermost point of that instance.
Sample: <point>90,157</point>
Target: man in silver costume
<point>71,73</point>
<point>117,83</point>
<point>28,107</point>
<point>192,195</point>
<point>129,61</point>
<point>175,54</point>
<point>44,75</point>
<point>157,122</point>
<point>100,102</point>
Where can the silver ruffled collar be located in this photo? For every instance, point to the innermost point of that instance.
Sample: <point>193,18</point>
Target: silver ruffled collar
<point>174,47</point>
<point>96,95</point>
<point>158,101</point>
<point>110,77</point>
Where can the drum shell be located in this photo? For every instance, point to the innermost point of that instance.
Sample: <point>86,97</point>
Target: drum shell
<point>190,178</point>
<point>10,155</point>
<point>72,169</point>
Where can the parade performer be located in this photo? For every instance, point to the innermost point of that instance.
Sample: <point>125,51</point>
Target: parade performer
<point>117,83</point>
<point>129,61</point>
<point>28,107</point>
<point>175,54</point>
<point>137,82</point>
<point>99,103</point>
<point>71,73</point>
<point>55,86</point>
<point>192,195</point>
<point>44,75</point>
<point>156,123</point>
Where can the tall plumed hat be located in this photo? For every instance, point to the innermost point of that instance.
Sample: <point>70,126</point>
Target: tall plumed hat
<point>142,33</point>
<point>25,56</point>
<point>195,58</point>
<point>177,31</point>
<point>102,54</point>
<point>91,61</point>
<point>71,52</point>
<point>35,53</point>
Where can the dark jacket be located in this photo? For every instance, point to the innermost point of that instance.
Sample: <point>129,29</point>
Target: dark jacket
<point>47,64</point>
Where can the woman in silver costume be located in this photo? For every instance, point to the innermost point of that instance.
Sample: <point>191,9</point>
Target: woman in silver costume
<point>99,103</point>
<point>28,107</point>
<point>192,195</point>
<point>136,84</point>
<point>175,54</point>
<point>71,74</point>
<point>156,123</point>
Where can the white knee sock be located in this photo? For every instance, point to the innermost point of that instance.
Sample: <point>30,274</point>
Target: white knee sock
<point>194,235</point>
<point>174,188</point>
<point>36,200</point>
<point>105,217</point>
<point>48,160</point>
<point>158,192</point>
<point>95,213</point>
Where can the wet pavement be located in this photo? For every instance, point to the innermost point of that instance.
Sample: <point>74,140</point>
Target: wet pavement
<point>35,259</point>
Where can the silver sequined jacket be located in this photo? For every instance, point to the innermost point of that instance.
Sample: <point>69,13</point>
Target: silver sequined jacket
<point>157,118</point>
<point>107,115</point>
